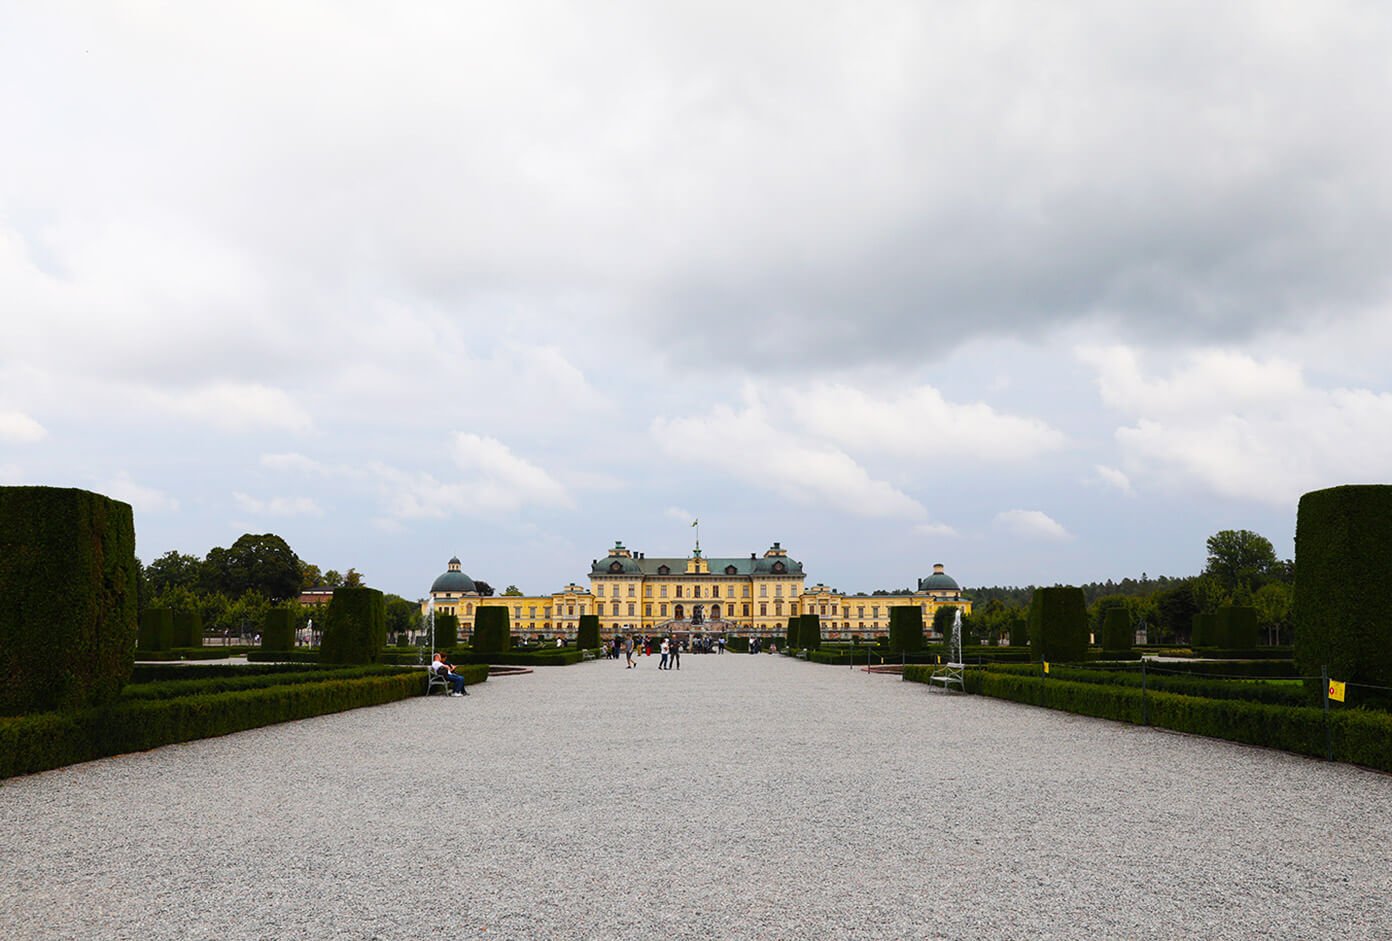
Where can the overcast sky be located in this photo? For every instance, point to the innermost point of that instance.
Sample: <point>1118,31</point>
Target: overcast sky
<point>1043,292</point>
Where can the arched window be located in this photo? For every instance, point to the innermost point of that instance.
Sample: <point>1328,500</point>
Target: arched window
<point>678,612</point>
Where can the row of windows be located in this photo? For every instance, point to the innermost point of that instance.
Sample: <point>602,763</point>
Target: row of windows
<point>617,609</point>
<point>710,591</point>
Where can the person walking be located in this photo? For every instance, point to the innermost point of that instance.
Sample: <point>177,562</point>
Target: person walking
<point>628,652</point>
<point>676,656</point>
<point>662,664</point>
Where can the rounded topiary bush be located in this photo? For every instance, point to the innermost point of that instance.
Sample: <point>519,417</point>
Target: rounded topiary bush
<point>68,582</point>
<point>492,629</point>
<point>906,628</point>
<point>278,630</point>
<point>1116,630</point>
<point>1058,624</point>
<point>188,629</point>
<point>355,628</point>
<point>588,635</point>
<point>156,629</point>
<point>446,631</point>
<point>809,631</point>
<point>1343,584</point>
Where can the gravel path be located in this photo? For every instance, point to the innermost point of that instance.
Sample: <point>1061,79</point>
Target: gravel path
<point>744,797</point>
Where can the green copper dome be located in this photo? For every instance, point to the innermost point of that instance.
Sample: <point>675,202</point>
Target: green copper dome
<point>453,580</point>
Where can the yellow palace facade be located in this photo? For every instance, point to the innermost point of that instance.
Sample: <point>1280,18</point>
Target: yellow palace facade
<point>751,597</point>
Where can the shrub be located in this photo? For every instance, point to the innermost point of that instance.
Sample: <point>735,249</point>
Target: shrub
<point>1116,630</point>
<point>492,630</point>
<point>793,641</point>
<point>51,740</point>
<point>188,629</point>
<point>1204,631</point>
<point>810,631</point>
<point>156,630</point>
<point>446,631</point>
<point>587,637</point>
<point>278,630</point>
<point>1058,625</point>
<point>544,657</point>
<point>906,627</point>
<point>67,598</point>
<point>355,627</point>
<point>1235,628</point>
<point>299,655</point>
<point>1343,584</point>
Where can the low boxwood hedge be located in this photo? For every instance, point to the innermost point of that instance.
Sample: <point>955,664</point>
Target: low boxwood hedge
<point>175,688</point>
<point>52,739</point>
<point>549,657</point>
<point>1252,690</point>
<point>1359,736</point>
<point>299,655</point>
<point>189,653</point>
<point>1243,653</point>
<point>154,672</point>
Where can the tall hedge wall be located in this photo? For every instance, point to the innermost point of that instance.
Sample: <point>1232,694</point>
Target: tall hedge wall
<point>156,631</point>
<point>67,598</point>
<point>1343,584</point>
<point>188,629</point>
<point>906,627</point>
<point>588,635</point>
<point>492,630</point>
<point>1236,627</point>
<point>1204,632</point>
<point>446,631</point>
<point>810,631</point>
<point>355,628</point>
<point>1116,630</point>
<point>1058,624</point>
<point>793,634</point>
<point>278,630</point>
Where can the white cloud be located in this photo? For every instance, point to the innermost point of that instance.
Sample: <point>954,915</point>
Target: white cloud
<point>291,461</point>
<point>1244,428</point>
<point>680,514</point>
<point>1032,524</point>
<point>19,428</point>
<point>746,445</point>
<point>277,506</point>
<point>919,422</point>
<point>505,481</point>
<point>142,499</point>
<point>935,529</point>
<point>234,406</point>
<point>1114,478</point>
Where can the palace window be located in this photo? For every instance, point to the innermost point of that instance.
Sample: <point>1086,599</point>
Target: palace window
<point>763,609</point>
<point>695,591</point>
<point>471,607</point>
<point>664,570</point>
<point>729,591</point>
<point>778,591</point>
<point>746,591</point>
<point>662,590</point>
<point>778,608</point>
<point>729,570</point>
<point>860,611</point>
<point>600,590</point>
<point>746,609</point>
<point>875,611</point>
<point>647,591</point>
<point>679,593</point>
<point>763,591</point>
<point>517,612</point>
<point>571,610</point>
<point>616,609</point>
<point>631,590</point>
<point>631,609</point>
<point>531,612</point>
<point>662,610</point>
<point>647,610</point>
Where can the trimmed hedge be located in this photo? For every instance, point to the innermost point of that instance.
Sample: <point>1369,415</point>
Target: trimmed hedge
<point>551,657</point>
<point>68,583</point>
<point>1250,690</point>
<point>1058,624</point>
<point>355,627</point>
<point>1343,585</point>
<point>278,630</point>
<point>52,739</point>
<point>1116,631</point>
<point>1235,628</point>
<point>1204,630</point>
<point>587,637</point>
<point>188,629</point>
<point>809,631</point>
<point>160,672</point>
<point>198,684</point>
<point>1359,736</point>
<point>298,655</point>
<point>906,627</point>
<point>492,630</point>
<point>188,653</point>
<point>793,626</point>
<point>446,631</point>
<point>156,631</point>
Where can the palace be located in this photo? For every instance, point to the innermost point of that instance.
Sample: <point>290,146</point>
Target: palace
<point>747,597</point>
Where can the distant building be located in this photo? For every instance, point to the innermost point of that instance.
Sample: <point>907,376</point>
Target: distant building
<point>754,596</point>
<point>316,596</point>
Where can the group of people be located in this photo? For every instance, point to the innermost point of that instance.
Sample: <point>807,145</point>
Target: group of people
<point>668,648</point>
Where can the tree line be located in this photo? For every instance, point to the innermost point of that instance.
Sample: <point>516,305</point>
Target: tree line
<point>1241,569</point>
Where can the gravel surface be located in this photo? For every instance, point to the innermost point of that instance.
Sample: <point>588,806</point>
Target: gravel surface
<point>743,797</point>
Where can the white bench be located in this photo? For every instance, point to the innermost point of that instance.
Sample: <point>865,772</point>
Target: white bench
<point>949,674</point>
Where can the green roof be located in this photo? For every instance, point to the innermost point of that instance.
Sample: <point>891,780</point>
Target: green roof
<point>650,566</point>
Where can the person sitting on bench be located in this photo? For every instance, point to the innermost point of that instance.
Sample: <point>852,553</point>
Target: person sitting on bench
<point>442,668</point>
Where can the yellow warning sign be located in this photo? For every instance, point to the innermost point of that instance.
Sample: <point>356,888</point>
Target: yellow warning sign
<point>1336,690</point>
<point>1046,666</point>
